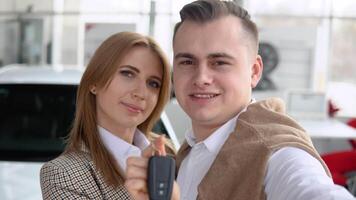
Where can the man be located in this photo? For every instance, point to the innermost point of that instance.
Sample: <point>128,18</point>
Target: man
<point>237,148</point>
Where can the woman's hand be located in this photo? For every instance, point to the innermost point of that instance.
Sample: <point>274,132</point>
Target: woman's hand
<point>136,171</point>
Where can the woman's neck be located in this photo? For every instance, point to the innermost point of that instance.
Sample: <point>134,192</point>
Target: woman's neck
<point>126,134</point>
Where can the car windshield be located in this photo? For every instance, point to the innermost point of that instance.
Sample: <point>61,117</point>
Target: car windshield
<point>35,120</point>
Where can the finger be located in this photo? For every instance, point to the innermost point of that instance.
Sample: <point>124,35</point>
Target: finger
<point>134,172</point>
<point>137,161</point>
<point>159,144</point>
<point>175,192</point>
<point>136,185</point>
<point>149,151</point>
<point>137,189</point>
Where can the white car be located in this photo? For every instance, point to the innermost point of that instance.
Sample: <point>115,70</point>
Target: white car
<point>37,107</point>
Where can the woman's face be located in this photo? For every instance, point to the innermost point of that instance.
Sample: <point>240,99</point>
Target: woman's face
<point>133,92</point>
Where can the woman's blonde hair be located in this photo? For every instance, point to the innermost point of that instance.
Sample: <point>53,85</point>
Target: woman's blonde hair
<point>99,72</point>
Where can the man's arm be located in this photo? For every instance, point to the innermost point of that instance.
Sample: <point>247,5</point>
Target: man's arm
<point>294,174</point>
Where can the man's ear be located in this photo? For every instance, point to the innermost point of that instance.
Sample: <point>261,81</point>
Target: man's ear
<point>256,72</point>
<point>93,89</point>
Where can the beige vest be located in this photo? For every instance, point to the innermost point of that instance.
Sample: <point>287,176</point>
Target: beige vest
<point>239,169</point>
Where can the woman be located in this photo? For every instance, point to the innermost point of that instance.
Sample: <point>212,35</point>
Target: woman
<point>121,95</point>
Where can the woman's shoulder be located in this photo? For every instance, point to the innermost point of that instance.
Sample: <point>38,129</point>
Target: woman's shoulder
<point>70,159</point>
<point>71,163</point>
<point>72,175</point>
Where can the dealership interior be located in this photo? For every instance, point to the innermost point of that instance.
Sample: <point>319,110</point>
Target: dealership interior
<point>308,50</point>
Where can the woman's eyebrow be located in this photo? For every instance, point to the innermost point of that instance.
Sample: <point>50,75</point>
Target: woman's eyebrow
<point>138,71</point>
<point>157,78</point>
<point>131,67</point>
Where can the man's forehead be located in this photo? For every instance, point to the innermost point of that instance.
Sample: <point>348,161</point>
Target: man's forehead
<point>195,38</point>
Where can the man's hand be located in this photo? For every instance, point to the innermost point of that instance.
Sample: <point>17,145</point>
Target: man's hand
<point>136,171</point>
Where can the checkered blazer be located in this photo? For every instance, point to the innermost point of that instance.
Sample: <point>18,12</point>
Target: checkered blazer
<point>73,176</point>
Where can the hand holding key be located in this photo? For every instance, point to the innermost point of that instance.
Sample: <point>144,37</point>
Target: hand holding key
<point>161,173</point>
<point>136,173</point>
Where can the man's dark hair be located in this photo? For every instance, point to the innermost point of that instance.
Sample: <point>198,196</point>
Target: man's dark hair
<point>203,11</point>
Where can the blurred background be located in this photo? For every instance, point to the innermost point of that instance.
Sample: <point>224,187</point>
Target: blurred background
<point>312,43</point>
<point>308,48</point>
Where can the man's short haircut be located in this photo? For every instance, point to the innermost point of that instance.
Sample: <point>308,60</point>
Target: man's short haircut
<point>203,11</point>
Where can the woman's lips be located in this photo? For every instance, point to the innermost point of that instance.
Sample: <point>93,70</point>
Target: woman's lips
<point>132,107</point>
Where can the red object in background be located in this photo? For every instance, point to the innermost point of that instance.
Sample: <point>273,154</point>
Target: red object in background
<point>332,108</point>
<point>340,163</point>
<point>352,123</point>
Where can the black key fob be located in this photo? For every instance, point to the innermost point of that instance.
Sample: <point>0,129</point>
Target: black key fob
<point>161,173</point>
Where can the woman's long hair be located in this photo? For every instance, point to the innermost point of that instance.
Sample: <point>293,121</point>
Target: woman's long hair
<point>100,72</point>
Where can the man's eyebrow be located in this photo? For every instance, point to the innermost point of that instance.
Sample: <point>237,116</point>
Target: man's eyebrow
<point>220,55</point>
<point>210,56</point>
<point>184,55</point>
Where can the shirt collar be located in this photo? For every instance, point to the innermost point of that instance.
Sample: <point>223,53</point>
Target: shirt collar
<point>121,149</point>
<point>216,140</point>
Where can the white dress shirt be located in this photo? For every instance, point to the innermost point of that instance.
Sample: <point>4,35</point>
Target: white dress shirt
<point>120,149</point>
<point>292,173</point>
<point>197,163</point>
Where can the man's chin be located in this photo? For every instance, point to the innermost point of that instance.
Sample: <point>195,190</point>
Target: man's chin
<point>202,118</point>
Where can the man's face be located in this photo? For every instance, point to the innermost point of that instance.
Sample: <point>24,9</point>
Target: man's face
<point>214,70</point>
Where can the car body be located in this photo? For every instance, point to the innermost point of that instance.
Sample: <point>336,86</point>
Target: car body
<point>37,106</point>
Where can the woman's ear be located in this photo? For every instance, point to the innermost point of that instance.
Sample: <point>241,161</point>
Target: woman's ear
<point>93,89</point>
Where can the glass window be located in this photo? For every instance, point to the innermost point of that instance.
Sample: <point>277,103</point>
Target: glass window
<point>32,5</point>
<point>316,46</point>
<point>285,7</point>
<point>34,120</point>
<point>343,50</point>
<point>342,70</point>
<point>294,41</point>
<point>344,8</point>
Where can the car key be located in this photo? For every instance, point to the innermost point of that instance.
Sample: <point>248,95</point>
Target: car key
<point>161,173</point>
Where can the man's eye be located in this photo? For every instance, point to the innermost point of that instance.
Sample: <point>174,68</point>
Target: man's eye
<point>219,62</point>
<point>154,84</point>
<point>186,62</point>
<point>127,73</point>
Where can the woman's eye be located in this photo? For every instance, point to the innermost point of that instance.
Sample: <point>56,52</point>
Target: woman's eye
<point>154,84</point>
<point>127,73</point>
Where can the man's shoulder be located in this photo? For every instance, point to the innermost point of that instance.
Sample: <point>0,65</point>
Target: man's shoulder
<point>273,104</point>
<point>266,123</point>
<point>268,117</point>
<point>264,109</point>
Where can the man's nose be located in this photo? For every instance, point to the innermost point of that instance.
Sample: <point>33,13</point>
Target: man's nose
<point>202,76</point>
